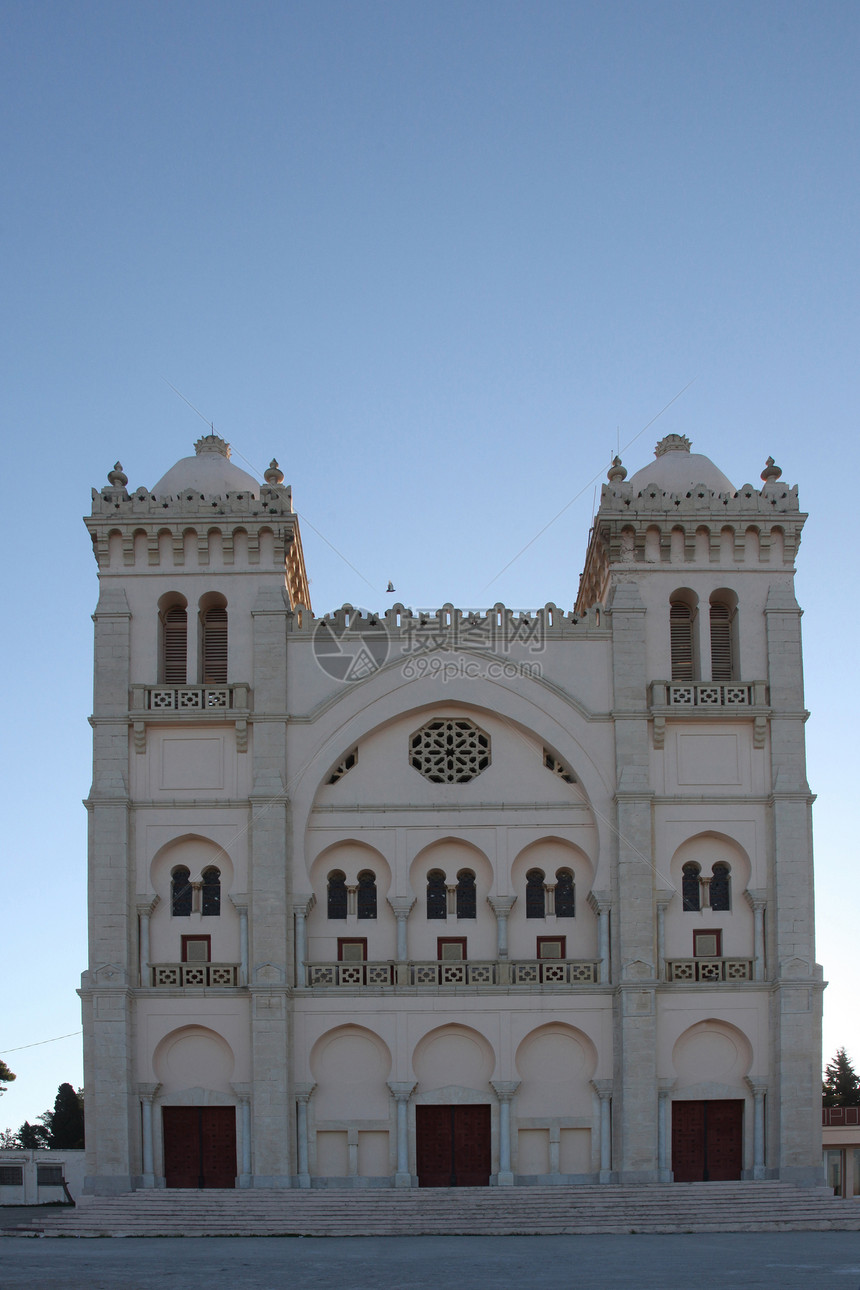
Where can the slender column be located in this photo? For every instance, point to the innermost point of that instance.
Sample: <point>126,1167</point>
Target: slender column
<point>603,1089</point>
<point>243,1094</point>
<point>501,907</point>
<point>505,1090</point>
<point>144,914</point>
<point>303,1096</point>
<point>663,900</point>
<point>664,1154</point>
<point>240,904</point>
<point>757,901</point>
<point>599,902</point>
<point>401,906</point>
<point>401,1092</point>
<point>758,1091</point>
<point>147,1094</point>
<point>301,908</point>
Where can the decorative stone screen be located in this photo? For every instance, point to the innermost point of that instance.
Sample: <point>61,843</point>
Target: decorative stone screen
<point>450,751</point>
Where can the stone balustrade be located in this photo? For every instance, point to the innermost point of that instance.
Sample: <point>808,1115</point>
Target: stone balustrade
<point>189,698</point>
<point>433,975</point>
<point>183,975</point>
<point>708,971</point>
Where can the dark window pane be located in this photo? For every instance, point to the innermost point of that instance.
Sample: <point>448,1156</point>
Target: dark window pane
<point>437,897</point>
<point>337,895</point>
<point>366,895</point>
<point>720,887</point>
<point>535,894</point>
<point>466,895</point>
<point>211,891</point>
<point>565,894</point>
<point>180,893</point>
<point>690,889</point>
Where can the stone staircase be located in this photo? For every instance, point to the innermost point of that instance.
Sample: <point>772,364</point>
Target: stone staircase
<point>472,1211</point>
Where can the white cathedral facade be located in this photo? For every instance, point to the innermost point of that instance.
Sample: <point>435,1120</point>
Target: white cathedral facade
<point>434,899</point>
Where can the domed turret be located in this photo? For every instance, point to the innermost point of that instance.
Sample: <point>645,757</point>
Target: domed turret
<point>210,472</point>
<point>677,470</point>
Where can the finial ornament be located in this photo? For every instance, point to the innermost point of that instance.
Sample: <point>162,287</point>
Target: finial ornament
<point>616,472</point>
<point>771,473</point>
<point>672,443</point>
<point>116,477</point>
<point>212,443</point>
<point>274,475</point>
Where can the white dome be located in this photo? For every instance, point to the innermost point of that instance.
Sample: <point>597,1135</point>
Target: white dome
<point>677,470</point>
<point>210,472</point>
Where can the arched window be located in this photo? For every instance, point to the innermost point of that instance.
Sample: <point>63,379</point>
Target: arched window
<point>214,645</point>
<point>466,895</point>
<point>211,891</point>
<point>535,894</point>
<point>722,653</point>
<point>720,887</point>
<point>437,897</point>
<point>681,640</point>
<point>336,894</point>
<point>565,894</point>
<point>174,645</point>
<point>691,891</point>
<point>367,894</point>
<point>180,892</point>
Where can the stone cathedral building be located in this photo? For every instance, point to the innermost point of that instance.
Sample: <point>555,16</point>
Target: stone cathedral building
<point>449,898</point>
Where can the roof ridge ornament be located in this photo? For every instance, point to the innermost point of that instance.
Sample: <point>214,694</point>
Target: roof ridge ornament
<point>116,477</point>
<point>672,443</point>
<point>274,475</point>
<point>212,443</point>
<point>616,472</point>
<point>771,473</point>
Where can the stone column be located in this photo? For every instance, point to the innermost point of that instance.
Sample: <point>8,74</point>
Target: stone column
<point>402,906</point>
<point>758,1091</point>
<point>603,1089</point>
<point>302,906</point>
<point>401,1092</point>
<point>240,904</point>
<point>757,901</point>
<point>663,900</point>
<point>147,1093</point>
<point>501,907</point>
<point>505,1090</point>
<point>243,1093</point>
<point>304,1093</point>
<point>664,1130</point>
<point>600,902</point>
<point>144,913</point>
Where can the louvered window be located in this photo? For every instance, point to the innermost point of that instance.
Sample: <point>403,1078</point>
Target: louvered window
<point>180,893</point>
<point>366,894</point>
<point>175,642</point>
<point>720,892</point>
<point>466,896</point>
<point>215,646</point>
<point>535,894</point>
<point>337,894</point>
<point>691,891</point>
<point>437,897</point>
<point>722,663</point>
<point>565,894</point>
<point>681,641</point>
<point>211,891</point>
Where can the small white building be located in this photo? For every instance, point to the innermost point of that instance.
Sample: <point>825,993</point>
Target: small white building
<point>449,898</point>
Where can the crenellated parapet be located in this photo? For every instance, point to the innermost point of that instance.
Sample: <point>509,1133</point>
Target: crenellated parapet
<point>644,526</point>
<point>452,628</point>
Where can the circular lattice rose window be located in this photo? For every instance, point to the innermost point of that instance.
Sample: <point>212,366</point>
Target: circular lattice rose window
<point>450,751</point>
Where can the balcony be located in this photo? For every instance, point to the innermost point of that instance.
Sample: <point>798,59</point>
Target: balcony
<point>708,700</point>
<point>709,971</point>
<point>189,698</point>
<point>435,975</point>
<point>179,976</point>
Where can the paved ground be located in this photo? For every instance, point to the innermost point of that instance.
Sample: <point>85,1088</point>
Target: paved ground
<point>811,1260</point>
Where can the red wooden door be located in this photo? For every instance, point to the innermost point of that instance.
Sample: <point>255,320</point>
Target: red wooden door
<point>707,1140</point>
<point>453,1146</point>
<point>199,1146</point>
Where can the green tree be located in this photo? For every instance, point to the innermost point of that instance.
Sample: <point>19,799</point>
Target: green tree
<point>31,1137</point>
<point>5,1075</point>
<point>65,1124</point>
<point>841,1086</point>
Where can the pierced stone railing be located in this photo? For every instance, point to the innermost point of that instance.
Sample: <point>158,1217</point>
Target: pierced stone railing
<point>468,972</point>
<point>189,698</point>
<point>707,971</point>
<point>180,975</point>
<point>708,694</point>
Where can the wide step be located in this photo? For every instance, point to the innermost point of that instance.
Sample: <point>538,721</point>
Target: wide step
<point>473,1211</point>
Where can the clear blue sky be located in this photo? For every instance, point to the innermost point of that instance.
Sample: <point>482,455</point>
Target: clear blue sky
<point>435,258</point>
